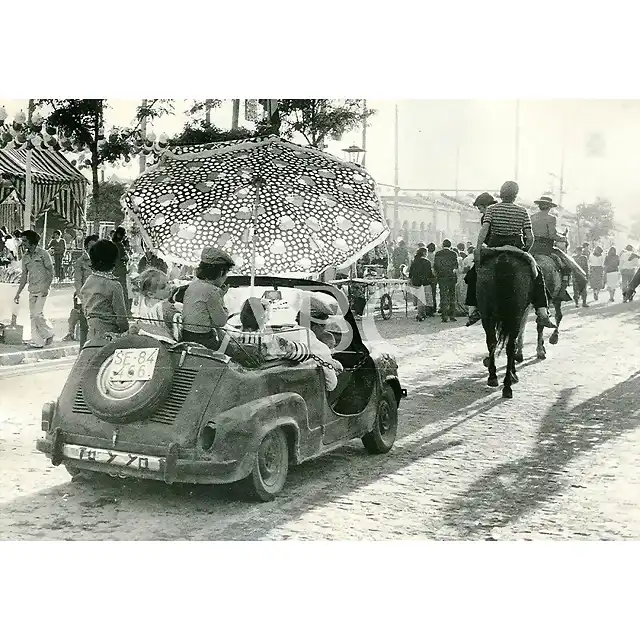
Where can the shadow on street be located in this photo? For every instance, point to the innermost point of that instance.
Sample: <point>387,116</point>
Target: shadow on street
<point>510,490</point>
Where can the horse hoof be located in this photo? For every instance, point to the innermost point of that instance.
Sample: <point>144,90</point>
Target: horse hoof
<point>541,356</point>
<point>492,382</point>
<point>485,362</point>
<point>519,358</point>
<point>553,339</point>
<point>507,393</point>
<point>514,378</point>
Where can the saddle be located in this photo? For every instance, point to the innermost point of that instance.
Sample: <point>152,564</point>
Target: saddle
<point>486,253</point>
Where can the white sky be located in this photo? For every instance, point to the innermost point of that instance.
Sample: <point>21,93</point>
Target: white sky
<point>431,130</point>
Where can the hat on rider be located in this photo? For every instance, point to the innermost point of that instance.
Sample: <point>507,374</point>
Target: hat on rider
<point>484,200</point>
<point>545,201</point>
<point>213,255</point>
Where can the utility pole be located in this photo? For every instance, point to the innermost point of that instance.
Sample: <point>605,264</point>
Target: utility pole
<point>236,114</point>
<point>364,133</point>
<point>207,111</point>
<point>517,150</point>
<point>396,179</point>
<point>143,129</point>
<point>457,166</point>
<point>561,178</point>
<point>28,185</point>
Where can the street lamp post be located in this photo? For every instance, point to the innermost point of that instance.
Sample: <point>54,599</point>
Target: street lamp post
<point>364,133</point>
<point>354,154</point>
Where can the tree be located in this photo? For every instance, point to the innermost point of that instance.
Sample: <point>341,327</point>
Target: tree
<point>317,120</point>
<point>599,216</point>
<point>110,209</point>
<point>81,125</point>
<point>202,133</point>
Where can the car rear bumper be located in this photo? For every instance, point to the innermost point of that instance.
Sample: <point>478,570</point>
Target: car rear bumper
<point>168,468</point>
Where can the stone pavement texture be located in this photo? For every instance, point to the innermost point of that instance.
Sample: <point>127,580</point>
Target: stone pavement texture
<point>557,462</point>
<point>56,311</point>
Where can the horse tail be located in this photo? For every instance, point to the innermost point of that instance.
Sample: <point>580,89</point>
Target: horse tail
<point>507,316</point>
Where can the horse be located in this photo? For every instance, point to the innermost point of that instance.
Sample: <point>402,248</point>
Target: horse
<point>553,283</point>
<point>504,290</point>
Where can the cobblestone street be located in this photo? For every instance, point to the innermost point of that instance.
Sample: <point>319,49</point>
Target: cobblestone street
<point>558,461</point>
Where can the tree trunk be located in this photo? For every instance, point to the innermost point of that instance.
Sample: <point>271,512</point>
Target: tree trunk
<point>236,114</point>
<point>95,194</point>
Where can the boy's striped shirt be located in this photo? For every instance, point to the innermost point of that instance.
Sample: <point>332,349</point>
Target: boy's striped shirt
<point>507,219</point>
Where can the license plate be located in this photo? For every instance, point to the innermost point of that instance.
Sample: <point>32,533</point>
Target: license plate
<point>113,458</point>
<point>133,365</point>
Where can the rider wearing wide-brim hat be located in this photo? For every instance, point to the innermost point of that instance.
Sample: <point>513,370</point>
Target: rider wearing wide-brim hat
<point>485,203</point>
<point>543,224</point>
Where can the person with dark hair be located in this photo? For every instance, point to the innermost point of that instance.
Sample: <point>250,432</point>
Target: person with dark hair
<point>596,271</point>
<point>37,271</point>
<point>400,257</point>
<point>203,304</point>
<point>445,268</point>
<point>58,247</point>
<point>12,243</point>
<point>81,271</point>
<point>120,270</point>
<point>612,272</point>
<point>579,286</point>
<point>431,255</point>
<point>421,278</point>
<point>101,295</point>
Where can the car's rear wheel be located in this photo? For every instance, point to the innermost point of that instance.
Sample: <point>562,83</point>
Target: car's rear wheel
<point>385,428</point>
<point>270,468</point>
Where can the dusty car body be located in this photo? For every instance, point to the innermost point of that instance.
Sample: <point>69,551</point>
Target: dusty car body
<point>207,417</point>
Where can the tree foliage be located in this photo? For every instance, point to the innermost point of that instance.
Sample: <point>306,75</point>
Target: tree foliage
<point>314,120</point>
<point>599,216</point>
<point>110,209</point>
<point>82,123</point>
<point>320,119</point>
<point>202,133</point>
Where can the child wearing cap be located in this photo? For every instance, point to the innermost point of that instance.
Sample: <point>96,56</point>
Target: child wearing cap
<point>102,295</point>
<point>203,307</point>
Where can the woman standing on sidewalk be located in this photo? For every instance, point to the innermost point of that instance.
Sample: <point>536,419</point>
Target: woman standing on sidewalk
<point>596,271</point>
<point>612,272</point>
<point>58,246</point>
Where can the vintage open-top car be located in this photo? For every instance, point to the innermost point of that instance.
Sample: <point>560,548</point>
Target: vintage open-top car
<point>179,412</point>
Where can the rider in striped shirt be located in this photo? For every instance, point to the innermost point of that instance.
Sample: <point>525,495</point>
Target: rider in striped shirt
<point>507,223</point>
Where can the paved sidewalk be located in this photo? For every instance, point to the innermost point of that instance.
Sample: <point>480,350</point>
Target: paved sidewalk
<point>56,311</point>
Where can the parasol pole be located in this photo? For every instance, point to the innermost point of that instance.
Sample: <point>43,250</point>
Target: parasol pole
<point>257,183</point>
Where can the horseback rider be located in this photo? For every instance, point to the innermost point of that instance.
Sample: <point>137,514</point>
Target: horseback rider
<point>513,223</point>
<point>543,223</point>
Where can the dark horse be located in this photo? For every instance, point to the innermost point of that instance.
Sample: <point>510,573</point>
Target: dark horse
<point>505,283</point>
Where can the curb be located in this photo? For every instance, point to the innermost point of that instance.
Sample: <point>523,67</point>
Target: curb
<point>38,355</point>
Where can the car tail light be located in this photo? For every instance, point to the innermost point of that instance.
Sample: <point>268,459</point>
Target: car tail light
<point>48,411</point>
<point>207,436</point>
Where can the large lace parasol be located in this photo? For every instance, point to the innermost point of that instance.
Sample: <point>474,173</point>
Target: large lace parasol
<point>273,205</point>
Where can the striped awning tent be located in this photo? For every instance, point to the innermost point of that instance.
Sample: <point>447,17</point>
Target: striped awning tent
<point>57,185</point>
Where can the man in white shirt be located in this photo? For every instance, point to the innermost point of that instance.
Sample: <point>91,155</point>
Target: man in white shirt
<point>628,265</point>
